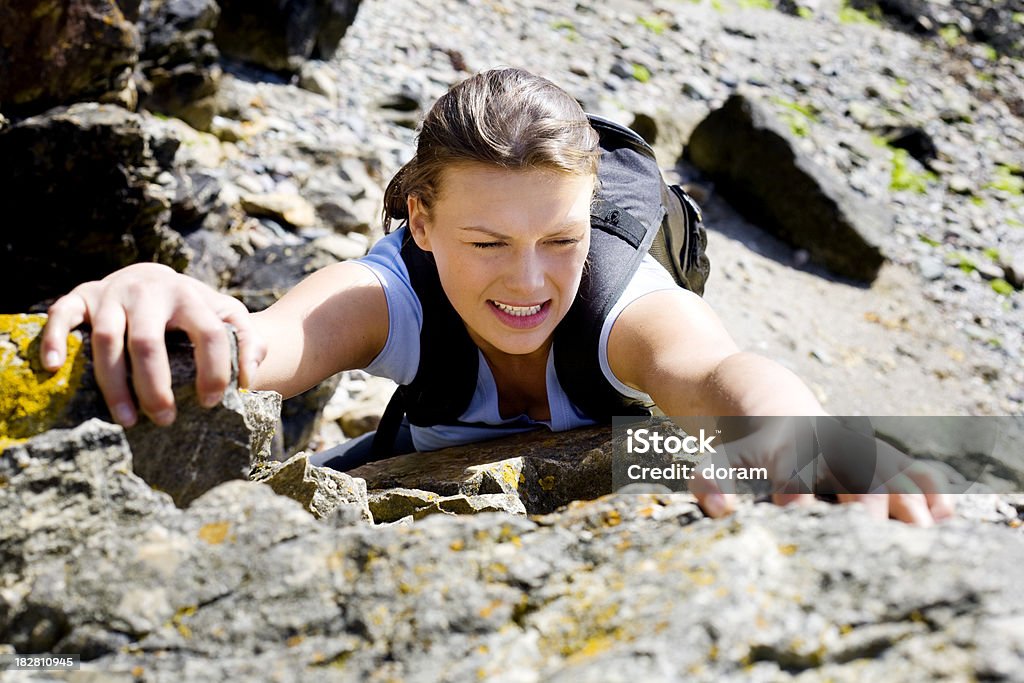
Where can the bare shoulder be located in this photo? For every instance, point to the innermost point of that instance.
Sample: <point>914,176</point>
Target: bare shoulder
<point>667,333</point>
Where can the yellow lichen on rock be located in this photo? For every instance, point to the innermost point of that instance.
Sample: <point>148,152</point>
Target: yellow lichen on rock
<point>32,398</point>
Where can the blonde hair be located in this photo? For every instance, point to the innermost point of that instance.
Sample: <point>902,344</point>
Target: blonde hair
<point>509,118</point>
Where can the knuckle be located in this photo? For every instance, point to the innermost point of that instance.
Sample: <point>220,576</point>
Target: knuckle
<point>145,344</point>
<point>211,334</point>
<point>105,336</point>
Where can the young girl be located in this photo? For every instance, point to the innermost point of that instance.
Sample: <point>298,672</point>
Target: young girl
<point>498,196</point>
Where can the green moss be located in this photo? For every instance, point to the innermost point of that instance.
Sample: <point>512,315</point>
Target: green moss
<point>32,399</point>
<point>1018,17</point>
<point>928,240</point>
<point>1001,286</point>
<point>965,263</point>
<point>567,28</point>
<point>718,5</point>
<point>992,253</point>
<point>1007,179</point>
<point>641,73</point>
<point>905,178</point>
<point>950,34</point>
<point>797,116</point>
<point>804,13</point>
<point>655,25</point>
<point>978,201</point>
<point>852,15</point>
<point>756,4</point>
<point>1013,222</point>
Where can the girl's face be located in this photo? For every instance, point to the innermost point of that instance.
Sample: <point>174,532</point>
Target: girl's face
<point>509,248</point>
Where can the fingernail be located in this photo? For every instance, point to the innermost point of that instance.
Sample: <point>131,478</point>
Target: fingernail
<point>714,504</point>
<point>210,400</point>
<point>164,417</point>
<point>124,414</point>
<point>53,359</point>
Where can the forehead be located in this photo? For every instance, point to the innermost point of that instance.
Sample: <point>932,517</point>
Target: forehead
<point>480,194</point>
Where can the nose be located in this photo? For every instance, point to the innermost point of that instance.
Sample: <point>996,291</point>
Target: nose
<point>526,273</point>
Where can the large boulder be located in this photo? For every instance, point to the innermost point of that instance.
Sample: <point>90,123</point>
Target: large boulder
<point>178,71</point>
<point>246,585</point>
<point>55,53</point>
<point>80,197</point>
<point>995,22</point>
<point>758,166</point>
<point>203,448</point>
<point>282,34</point>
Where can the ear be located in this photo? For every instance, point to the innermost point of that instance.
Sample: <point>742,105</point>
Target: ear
<point>418,220</point>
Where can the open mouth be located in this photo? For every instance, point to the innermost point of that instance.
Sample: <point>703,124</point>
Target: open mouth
<point>518,311</point>
<point>521,317</point>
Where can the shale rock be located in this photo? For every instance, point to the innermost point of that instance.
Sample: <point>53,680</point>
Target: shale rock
<point>245,584</point>
<point>54,53</point>
<point>80,199</point>
<point>757,164</point>
<point>321,491</point>
<point>282,35</point>
<point>544,470</point>
<point>392,505</point>
<point>178,71</point>
<point>202,449</point>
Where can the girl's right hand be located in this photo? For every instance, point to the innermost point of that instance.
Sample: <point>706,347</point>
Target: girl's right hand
<point>131,309</point>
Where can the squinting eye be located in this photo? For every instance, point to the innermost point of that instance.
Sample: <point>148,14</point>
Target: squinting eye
<point>486,245</point>
<point>569,241</point>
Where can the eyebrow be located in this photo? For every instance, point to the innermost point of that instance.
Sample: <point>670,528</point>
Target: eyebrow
<point>568,226</point>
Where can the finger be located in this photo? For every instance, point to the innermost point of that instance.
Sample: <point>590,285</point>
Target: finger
<point>252,348</point>
<point>941,506</point>
<point>108,327</point>
<point>212,348</point>
<point>875,504</point>
<point>716,504</point>
<point>911,508</point>
<point>64,315</point>
<point>709,495</point>
<point>935,486</point>
<point>151,369</point>
<point>796,499</point>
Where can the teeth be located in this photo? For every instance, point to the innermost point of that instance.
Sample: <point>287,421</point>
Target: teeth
<point>519,311</point>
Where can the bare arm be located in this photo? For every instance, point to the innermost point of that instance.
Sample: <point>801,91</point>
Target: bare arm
<point>335,319</point>
<point>672,346</point>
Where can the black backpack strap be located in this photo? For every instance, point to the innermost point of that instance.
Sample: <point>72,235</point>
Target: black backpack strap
<point>449,360</point>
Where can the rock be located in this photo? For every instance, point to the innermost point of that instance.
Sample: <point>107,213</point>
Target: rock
<point>302,414</point>
<point>245,584</point>
<point>80,199</point>
<point>282,35</point>
<point>320,490</point>
<point>203,448</point>
<point>178,71</point>
<point>393,505</point>
<point>57,53</point>
<point>315,77</point>
<point>543,469</point>
<point>1013,267</point>
<point>758,166</point>
<point>931,267</point>
<point>288,208</point>
<point>264,277</point>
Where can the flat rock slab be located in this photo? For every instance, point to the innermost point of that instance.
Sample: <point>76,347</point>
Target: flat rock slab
<point>543,469</point>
